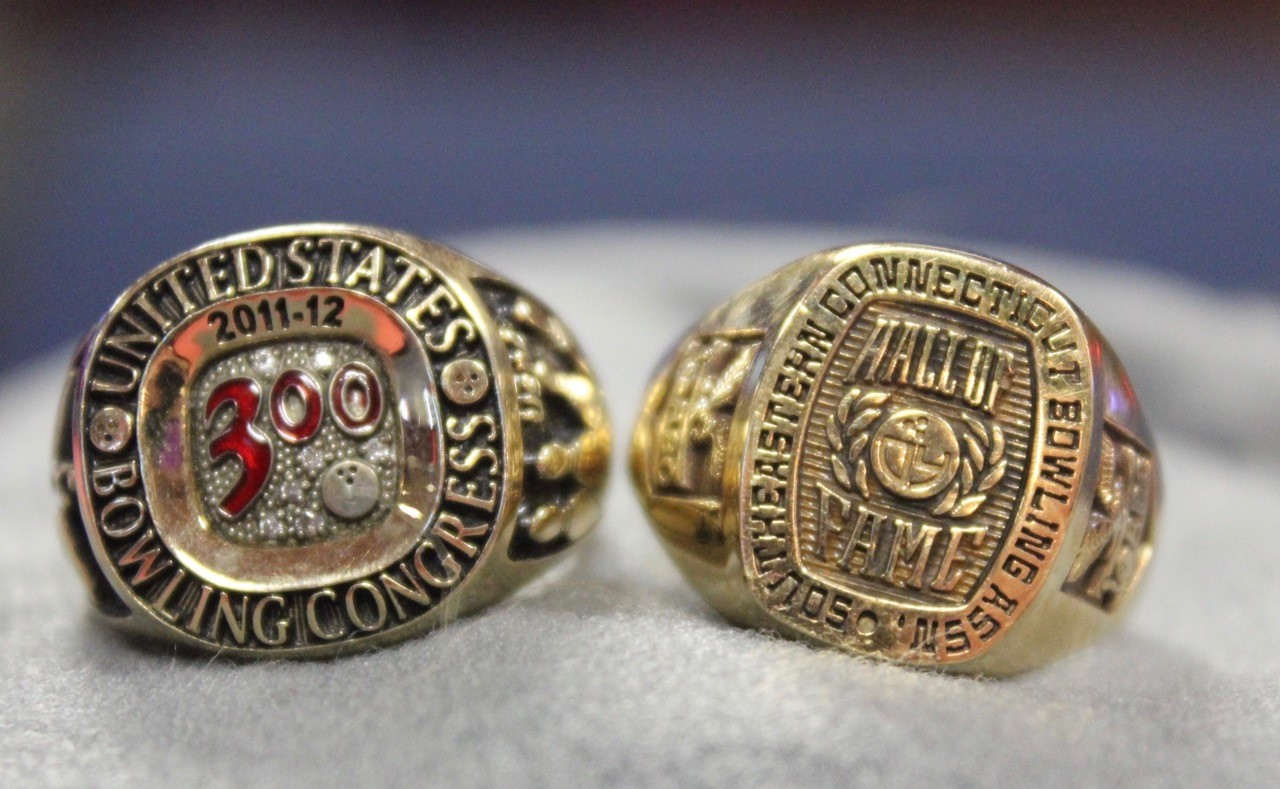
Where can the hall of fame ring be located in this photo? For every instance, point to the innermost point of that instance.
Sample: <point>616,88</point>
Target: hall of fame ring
<point>909,453</point>
<point>311,439</point>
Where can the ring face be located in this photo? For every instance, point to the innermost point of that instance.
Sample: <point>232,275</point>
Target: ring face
<point>916,449</point>
<point>940,411</point>
<point>905,452</point>
<point>292,440</point>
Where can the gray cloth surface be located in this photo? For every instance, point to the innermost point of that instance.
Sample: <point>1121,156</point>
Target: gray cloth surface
<point>616,673</point>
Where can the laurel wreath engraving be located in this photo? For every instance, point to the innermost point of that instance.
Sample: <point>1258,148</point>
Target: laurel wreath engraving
<point>983,466</point>
<point>855,415</point>
<point>981,469</point>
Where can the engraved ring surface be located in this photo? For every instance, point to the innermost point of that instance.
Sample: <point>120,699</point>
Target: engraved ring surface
<point>909,453</point>
<point>311,439</point>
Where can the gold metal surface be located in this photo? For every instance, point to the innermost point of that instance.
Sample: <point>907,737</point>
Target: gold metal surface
<point>910,453</point>
<point>310,439</point>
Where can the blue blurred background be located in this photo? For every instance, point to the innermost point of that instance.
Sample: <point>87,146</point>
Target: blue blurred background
<point>129,133</point>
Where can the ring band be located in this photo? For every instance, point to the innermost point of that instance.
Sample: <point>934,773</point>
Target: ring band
<point>310,439</point>
<point>909,453</point>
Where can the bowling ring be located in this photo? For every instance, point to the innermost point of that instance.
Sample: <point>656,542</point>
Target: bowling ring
<point>912,454</point>
<point>305,440</point>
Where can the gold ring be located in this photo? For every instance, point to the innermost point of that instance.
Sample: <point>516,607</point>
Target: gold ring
<point>909,453</point>
<point>304,440</point>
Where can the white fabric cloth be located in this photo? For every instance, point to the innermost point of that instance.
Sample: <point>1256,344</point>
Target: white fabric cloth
<point>617,673</point>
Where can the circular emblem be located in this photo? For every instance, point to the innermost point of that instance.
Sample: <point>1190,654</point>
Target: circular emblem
<point>350,489</point>
<point>291,440</point>
<point>465,381</point>
<point>110,429</point>
<point>915,454</point>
